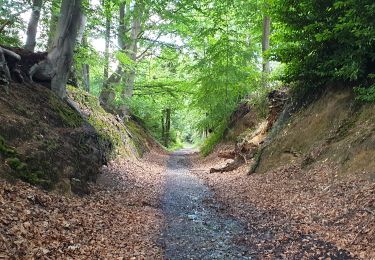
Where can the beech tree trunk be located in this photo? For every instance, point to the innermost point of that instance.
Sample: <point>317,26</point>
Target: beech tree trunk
<point>33,25</point>
<point>132,49</point>
<point>55,11</point>
<point>128,36</point>
<point>162,126</point>
<point>167,128</point>
<point>266,45</point>
<point>86,69</point>
<point>61,55</point>
<point>107,41</point>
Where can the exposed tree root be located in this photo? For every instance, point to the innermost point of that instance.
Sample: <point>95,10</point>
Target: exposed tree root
<point>253,145</point>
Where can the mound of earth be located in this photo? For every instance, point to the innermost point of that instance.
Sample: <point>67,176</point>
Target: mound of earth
<point>334,128</point>
<point>45,142</point>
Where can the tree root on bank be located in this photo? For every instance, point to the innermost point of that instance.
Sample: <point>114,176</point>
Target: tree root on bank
<point>241,158</point>
<point>252,146</point>
<point>9,67</point>
<point>229,167</point>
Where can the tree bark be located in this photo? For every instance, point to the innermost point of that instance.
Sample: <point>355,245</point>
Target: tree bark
<point>129,45</point>
<point>4,71</point>
<point>167,133</point>
<point>55,7</point>
<point>33,25</point>
<point>86,69</point>
<point>132,49</point>
<point>107,40</point>
<point>265,46</point>
<point>162,126</point>
<point>61,56</point>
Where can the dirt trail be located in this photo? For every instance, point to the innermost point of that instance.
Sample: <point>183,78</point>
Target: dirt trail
<point>195,227</point>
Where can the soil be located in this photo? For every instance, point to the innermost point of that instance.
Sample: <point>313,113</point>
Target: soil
<point>53,146</point>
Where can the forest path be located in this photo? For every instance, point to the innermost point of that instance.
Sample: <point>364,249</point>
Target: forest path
<point>195,227</point>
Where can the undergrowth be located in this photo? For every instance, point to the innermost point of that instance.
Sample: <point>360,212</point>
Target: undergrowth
<point>213,139</point>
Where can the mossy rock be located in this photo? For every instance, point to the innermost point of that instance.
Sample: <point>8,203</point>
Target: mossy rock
<point>69,117</point>
<point>108,128</point>
<point>21,171</point>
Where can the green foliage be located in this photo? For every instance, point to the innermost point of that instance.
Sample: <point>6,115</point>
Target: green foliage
<point>366,94</point>
<point>213,139</point>
<point>325,41</point>
<point>259,101</point>
<point>10,11</point>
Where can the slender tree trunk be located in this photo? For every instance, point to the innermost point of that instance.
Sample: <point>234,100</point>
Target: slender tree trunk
<point>33,25</point>
<point>107,40</point>
<point>132,49</point>
<point>86,69</point>
<point>61,55</point>
<point>266,45</point>
<point>162,126</point>
<point>107,94</point>
<point>55,11</point>
<point>167,126</point>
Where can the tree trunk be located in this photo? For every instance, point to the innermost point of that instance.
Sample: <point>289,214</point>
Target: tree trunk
<point>129,45</point>
<point>55,11</point>
<point>85,69</point>
<point>266,44</point>
<point>107,40</point>
<point>162,126</point>
<point>132,49</point>
<point>108,95</point>
<point>167,127</point>
<point>33,25</point>
<point>4,71</point>
<point>61,56</point>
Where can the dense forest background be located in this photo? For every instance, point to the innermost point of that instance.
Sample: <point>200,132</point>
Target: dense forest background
<point>182,67</point>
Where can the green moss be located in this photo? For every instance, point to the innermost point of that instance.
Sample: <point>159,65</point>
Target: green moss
<point>139,137</point>
<point>21,171</point>
<point>13,163</point>
<point>127,139</point>
<point>5,150</point>
<point>69,117</point>
<point>109,130</point>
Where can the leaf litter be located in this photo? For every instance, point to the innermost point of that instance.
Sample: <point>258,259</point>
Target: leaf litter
<point>295,213</point>
<point>120,219</point>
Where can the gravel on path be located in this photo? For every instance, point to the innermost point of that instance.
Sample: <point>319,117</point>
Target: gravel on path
<point>195,227</point>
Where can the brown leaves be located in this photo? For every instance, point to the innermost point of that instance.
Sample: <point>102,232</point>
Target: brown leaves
<point>116,221</point>
<point>291,203</point>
